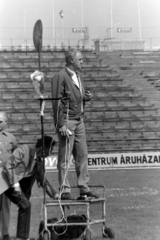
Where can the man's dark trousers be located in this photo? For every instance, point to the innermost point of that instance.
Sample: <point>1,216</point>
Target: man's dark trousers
<point>22,201</point>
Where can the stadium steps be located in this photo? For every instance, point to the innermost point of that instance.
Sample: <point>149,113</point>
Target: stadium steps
<point>139,74</point>
<point>48,54</point>
<point>93,120</point>
<point>120,116</point>
<point>128,145</point>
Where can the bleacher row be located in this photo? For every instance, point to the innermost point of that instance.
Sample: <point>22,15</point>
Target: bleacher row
<point>122,116</point>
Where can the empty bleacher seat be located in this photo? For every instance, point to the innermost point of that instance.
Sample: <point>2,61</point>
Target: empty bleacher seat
<point>118,118</point>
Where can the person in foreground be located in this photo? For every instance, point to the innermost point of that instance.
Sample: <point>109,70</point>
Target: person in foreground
<point>68,119</point>
<point>7,145</point>
<point>26,164</point>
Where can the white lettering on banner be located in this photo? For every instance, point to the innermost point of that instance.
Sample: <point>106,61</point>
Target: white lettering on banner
<point>102,161</point>
<point>51,162</point>
<point>112,161</point>
<point>124,30</point>
<point>79,30</point>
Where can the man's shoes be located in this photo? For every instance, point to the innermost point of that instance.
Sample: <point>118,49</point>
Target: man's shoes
<point>6,237</point>
<point>24,238</point>
<point>66,196</point>
<point>56,196</point>
<point>89,195</point>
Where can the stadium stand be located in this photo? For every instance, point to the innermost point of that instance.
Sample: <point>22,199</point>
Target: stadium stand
<point>123,114</point>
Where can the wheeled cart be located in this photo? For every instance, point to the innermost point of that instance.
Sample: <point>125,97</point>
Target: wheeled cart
<point>49,232</point>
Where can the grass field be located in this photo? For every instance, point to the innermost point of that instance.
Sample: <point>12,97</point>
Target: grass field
<point>132,204</point>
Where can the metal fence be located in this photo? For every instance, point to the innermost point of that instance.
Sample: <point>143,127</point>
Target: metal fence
<point>59,38</point>
<point>107,39</point>
<point>129,38</point>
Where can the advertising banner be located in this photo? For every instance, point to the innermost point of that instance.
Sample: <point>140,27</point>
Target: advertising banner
<point>124,30</point>
<point>112,161</point>
<point>79,30</point>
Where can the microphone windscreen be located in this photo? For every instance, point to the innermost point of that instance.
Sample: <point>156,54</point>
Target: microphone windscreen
<point>38,82</point>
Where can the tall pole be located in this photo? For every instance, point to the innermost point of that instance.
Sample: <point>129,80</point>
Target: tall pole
<point>53,14</point>
<point>37,39</point>
<point>82,24</point>
<point>111,19</point>
<point>139,20</point>
<point>25,32</point>
<point>61,13</point>
<point>62,32</point>
<point>115,25</point>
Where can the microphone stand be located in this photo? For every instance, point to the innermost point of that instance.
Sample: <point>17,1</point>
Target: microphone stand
<point>37,39</point>
<point>42,105</point>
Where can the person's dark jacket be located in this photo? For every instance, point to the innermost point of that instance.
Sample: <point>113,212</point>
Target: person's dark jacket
<point>22,164</point>
<point>70,105</point>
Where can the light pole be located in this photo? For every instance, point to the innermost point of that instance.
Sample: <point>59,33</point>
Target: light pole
<point>82,24</point>
<point>82,13</point>
<point>116,25</point>
<point>111,18</point>
<point>111,30</point>
<point>107,32</point>
<point>25,30</point>
<point>139,20</point>
<point>53,14</point>
<point>61,13</point>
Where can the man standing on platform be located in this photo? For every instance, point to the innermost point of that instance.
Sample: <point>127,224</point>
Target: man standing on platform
<point>68,118</point>
<point>8,144</point>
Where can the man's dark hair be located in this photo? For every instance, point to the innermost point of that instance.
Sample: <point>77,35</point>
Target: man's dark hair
<point>48,142</point>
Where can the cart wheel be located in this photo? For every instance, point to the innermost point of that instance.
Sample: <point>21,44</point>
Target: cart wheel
<point>108,233</point>
<point>45,236</point>
<point>88,234</point>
